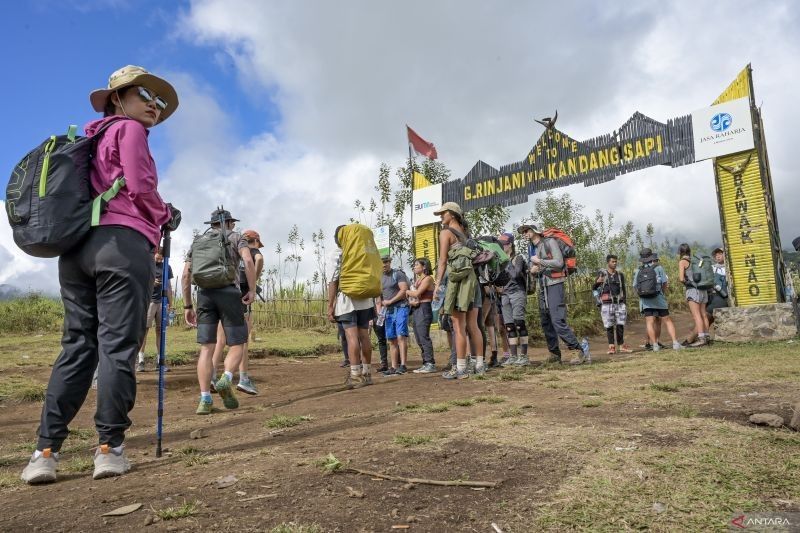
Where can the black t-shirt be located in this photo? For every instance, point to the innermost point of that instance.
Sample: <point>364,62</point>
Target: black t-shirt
<point>156,296</point>
<point>242,275</point>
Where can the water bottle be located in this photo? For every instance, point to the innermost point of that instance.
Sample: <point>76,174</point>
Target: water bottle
<point>171,317</point>
<point>596,294</point>
<point>438,298</point>
<point>381,317</point>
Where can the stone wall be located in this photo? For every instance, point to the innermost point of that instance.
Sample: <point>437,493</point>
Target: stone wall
<point>757,323</point>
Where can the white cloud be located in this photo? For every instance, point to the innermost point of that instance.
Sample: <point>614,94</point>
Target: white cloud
<point>469,76</point>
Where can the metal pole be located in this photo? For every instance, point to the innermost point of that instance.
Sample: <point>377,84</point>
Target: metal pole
<point>162,340</point>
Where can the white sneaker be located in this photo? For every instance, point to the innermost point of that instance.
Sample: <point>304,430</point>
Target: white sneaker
<point>108,463</point>
<point>41,469</point>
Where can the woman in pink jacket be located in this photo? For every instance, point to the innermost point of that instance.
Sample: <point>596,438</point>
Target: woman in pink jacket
<point>106,280</point>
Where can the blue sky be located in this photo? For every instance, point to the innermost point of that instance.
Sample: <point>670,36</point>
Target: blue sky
<point>289,108</point>
<point>61,53</point>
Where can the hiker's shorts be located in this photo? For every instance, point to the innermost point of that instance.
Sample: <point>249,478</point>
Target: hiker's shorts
<point>513,306</point>
<point>396,322</point>
<point>215,305</point>
<point>613,315</point>
<point>154,314</point>
<point>658,313</point>
<point>357,318</point>
<point>696,295</point>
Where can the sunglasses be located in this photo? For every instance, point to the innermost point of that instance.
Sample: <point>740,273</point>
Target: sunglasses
<point>148,97</point>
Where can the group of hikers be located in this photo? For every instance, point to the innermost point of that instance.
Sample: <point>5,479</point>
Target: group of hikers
<point>112,282</point>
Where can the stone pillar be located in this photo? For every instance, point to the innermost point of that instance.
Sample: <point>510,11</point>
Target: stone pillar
<point>773,322</point>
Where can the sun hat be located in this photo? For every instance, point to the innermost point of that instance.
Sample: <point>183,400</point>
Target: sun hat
<point>533,227</point>
<point>252,235</point>
<point>386,258</point>
<point>717,250</point>
<point>134,75</point>
<point>216,214</point>
<point>449,206</point>
<point>647,256</point>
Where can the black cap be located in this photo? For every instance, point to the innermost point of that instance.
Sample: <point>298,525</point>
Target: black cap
<point>220,214</point>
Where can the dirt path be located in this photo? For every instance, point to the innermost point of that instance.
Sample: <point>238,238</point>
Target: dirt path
<point>277,479</point>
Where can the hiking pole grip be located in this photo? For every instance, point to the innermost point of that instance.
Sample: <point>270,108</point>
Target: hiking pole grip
<point>166,244</point>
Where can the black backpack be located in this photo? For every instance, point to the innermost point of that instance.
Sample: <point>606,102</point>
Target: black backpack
<point>49,199</point>
<point>647,284</point>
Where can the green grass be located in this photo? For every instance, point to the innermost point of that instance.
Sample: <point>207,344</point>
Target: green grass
<point>489,399</point>
<point>31,314</point>
<point>424,407</point>
<point>687,411</point>
<point>294,527</point>
<point>82,433</point>
<point>284,421</point>
<point>9,480</point>
<point>511,412</point>
<point>514,375</point>
<point>408,441</point>
<point>329,464</point>
<point>191,456</point>
<point>77,464</point>
<point>174,513</point>
<point>463,402</point>
<point>21,389</point>
<point>592,403</point>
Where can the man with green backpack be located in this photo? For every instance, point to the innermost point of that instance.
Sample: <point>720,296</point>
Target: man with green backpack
<point>212,265</point>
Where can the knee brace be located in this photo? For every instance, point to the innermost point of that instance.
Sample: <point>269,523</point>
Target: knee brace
<point>511,329</point>
<point>522,328</point>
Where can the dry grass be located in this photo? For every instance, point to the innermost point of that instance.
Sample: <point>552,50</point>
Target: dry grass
<point>284,421</point>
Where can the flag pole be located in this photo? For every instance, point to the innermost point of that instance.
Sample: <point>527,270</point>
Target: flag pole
<point>411,174</point>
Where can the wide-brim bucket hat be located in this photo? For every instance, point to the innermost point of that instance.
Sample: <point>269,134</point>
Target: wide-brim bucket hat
<point>132,75</point>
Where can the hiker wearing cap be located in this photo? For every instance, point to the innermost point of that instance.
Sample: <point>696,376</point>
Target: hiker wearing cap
<point>513,300</point>
<point>420,297</point>
<point>609,288</point>
<point>650,282</point>
<point>549,267</point>
<point>463,297</point>
<point>245,383</point>
<point>696,297</point>
<point>106,280</point>
<point>218,302</point>
<point>718,295</point>
<point>154,309</point>
<point>394,303</point>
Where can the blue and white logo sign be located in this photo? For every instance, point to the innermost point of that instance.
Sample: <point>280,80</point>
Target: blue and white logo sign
<point>424,203</point>
<point>715,133</point>
<point>721,121</point>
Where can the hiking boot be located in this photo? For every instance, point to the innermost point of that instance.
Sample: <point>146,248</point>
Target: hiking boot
<point>480,370</point>
<point>225,390</point>
<point>509,361</point>
<point>554,359</point>
<point>625,349</point>
<point>493,362</point>
<point>389,372</point>
<point>366,379</point>
<point>401,369</point>
<point>247,387</point>
<point>42,469</point>
<point>699,343</point>
<point>587,357</point>
<point>427,368</point>
<point>612,349</point>
<point>522,360</point>
<point>108,463</point>
<point>351,382</point>
<point>677,346</point>
<point>140,366</point>
<point>344,364</point>
<point>383,368</point>
<point>577,357</point>
<point>204,408</point>
<point>453,373</point>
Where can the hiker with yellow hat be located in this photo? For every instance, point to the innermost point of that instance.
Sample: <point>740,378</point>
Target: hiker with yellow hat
<point>106,280</point>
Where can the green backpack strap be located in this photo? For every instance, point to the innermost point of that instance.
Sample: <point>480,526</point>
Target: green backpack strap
<point>97,203</point>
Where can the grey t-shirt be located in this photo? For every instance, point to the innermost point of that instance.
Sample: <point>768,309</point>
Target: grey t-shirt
<point>390,286</point>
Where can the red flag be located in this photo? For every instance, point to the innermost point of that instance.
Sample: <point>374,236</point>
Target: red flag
<point>420,145</point>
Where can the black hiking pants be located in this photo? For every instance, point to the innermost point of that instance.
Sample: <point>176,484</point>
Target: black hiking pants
<point>383,346</point>
<point>106,283</point>
<point>553,315</point>
<point>423,318</point>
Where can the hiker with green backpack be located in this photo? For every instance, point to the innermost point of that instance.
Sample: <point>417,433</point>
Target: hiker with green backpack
<point>696,272</point>
<point>94,202</point>
<point>212,264</point>
<point>463,297</point>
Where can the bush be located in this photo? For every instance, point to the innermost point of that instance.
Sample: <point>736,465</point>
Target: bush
<point>33,313</point>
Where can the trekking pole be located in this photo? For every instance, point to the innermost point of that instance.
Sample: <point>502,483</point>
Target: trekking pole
<point>162,339</point>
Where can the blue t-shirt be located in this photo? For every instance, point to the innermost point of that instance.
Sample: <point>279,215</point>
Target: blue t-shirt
<point>659,301</point>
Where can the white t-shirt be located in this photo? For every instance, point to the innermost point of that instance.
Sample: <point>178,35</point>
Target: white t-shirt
<point>345,304</point>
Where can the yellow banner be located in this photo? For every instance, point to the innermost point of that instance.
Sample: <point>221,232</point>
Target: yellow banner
<point>746,224</point>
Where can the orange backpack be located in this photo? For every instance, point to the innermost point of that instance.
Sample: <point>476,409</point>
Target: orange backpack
<point>567,248</point>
